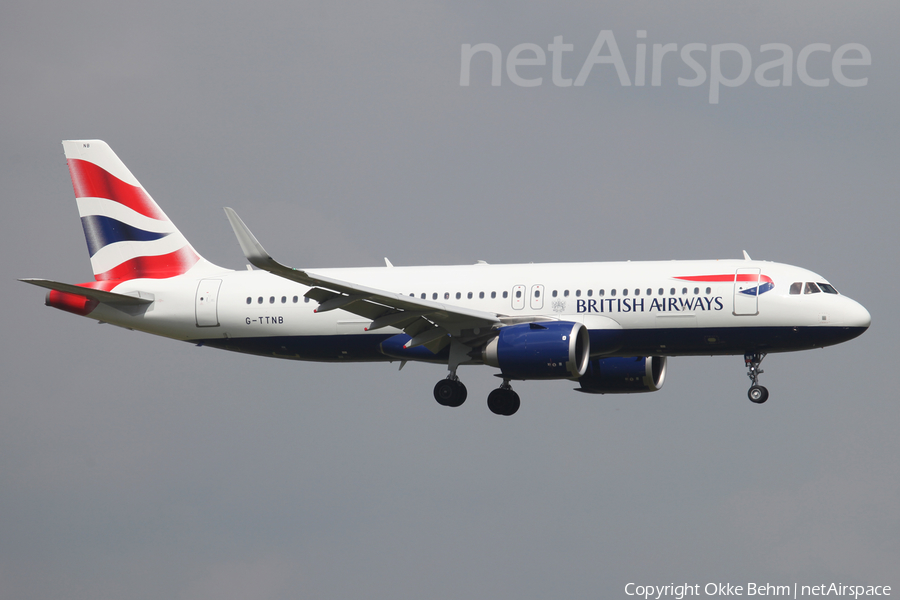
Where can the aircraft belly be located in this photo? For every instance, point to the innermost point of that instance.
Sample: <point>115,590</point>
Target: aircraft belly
<point>730,340</point>
<point>328,348</point>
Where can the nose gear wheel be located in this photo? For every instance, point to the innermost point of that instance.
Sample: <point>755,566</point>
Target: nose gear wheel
<point>757,393</point>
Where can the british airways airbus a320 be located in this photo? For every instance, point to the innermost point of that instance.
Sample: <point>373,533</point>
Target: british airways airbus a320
<point>607,326</point>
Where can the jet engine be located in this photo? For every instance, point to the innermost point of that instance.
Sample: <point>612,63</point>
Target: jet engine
<point>545,350</point>
<point>616,375</point>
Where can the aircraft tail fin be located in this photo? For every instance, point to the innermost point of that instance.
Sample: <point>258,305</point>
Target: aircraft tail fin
<point>128,235</point>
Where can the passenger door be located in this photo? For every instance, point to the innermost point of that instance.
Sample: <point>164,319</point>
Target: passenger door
<point>746,292</point>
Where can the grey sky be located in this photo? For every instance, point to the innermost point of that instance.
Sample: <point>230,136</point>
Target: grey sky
<point>138,467</point>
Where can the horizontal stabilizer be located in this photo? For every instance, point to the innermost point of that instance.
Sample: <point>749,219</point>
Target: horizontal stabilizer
<point>98,295</point>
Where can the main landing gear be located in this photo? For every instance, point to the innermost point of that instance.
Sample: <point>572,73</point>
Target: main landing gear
<point>757,393</point>
<point>503,401</point>
<point>450,392</point>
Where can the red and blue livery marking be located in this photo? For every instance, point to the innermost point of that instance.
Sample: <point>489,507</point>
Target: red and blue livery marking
<point>765,282</point>
<point>117,213</point>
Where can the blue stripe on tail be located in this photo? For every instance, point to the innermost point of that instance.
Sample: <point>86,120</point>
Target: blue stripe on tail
<point>99,231</point>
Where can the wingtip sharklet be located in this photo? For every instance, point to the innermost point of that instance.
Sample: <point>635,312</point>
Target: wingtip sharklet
<point>250,246</point>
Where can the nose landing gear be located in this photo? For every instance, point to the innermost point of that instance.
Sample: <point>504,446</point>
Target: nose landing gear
<point>757,393</point>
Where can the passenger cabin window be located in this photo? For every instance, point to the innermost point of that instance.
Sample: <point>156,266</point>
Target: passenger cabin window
<point>295,299</point>
<point>811,288</point>
<point>493,295</point>
<point>590,293</point>
<point>458,295</point>
<point>555,293</point>
<point>249,299</point>
<point>480,295</point>
<point>518,293</point>
<point>469,295</point>
<point>601,292</point>
<point>796,287</point>
<point>505,294</point>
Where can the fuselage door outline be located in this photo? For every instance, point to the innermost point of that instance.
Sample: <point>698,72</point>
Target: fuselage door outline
<point>207,303</point>
<point>537,296</point>
<point>518,297</point>
<point>746,292</point>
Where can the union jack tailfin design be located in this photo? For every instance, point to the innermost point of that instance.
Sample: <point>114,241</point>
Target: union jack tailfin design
<point>128,235</point>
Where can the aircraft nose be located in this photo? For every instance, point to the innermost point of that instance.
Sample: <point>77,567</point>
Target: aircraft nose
<point>856,315</point>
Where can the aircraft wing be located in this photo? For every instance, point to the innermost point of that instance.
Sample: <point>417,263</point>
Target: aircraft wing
<point>427,323</point>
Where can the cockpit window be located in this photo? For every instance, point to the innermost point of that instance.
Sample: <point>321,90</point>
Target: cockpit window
<point>811,288</point>
<point>796,287</point>
<point>827,288</point>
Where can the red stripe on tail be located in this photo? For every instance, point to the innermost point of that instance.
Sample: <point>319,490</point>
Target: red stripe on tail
<point>72,303</point>
<point>152,267</point>
<point>91,181</point>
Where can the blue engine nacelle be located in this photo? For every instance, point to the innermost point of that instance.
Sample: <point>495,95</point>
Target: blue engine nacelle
<point>545,350</point>
<point>616,375</point>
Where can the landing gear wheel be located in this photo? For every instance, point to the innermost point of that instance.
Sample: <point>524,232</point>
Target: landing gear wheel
<point>450,392</point>
<point>758,394</point>
<point>503,402</point>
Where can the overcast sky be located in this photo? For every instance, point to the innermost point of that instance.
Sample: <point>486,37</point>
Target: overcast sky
<point>136,467</point>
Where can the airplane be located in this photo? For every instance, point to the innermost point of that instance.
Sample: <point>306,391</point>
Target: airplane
<point>608,326</point>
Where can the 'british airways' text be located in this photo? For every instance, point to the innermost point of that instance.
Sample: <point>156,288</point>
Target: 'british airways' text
<point>627,305</point>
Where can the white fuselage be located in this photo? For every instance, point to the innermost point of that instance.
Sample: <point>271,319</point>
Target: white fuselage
<point>662,308</point>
